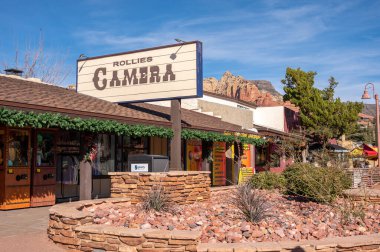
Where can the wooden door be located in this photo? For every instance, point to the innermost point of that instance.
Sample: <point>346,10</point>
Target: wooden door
<point>17,173</point>
<point>44,168</point>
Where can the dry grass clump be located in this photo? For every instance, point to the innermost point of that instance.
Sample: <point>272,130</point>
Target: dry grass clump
<point>156,199</point>
<point>251,203</point>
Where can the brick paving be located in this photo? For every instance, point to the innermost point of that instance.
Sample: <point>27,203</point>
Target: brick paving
<point>25,230</point>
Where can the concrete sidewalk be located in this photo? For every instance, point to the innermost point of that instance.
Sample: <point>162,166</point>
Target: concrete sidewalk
<point>25,230</point>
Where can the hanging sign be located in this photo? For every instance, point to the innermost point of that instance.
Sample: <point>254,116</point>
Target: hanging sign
<point>245,173</point>
<point>219,163</point>
<point>160,73</point>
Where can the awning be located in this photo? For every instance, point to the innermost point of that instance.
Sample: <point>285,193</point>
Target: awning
<point>367,151</point>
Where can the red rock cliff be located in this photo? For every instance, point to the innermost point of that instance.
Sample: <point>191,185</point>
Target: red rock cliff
<point>260,93</point>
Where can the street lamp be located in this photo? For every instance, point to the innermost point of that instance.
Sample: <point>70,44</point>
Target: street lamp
<point>366,95</point>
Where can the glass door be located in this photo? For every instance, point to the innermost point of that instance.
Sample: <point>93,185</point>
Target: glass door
<point>68,158</point>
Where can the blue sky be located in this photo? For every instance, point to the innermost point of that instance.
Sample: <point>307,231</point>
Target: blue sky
<point>255,39</point>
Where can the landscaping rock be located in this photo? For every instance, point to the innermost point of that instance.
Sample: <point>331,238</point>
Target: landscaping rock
<point>146,226</point>
<point>219,221</point>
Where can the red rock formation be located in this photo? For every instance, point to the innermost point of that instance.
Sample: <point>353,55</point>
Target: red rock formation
<point>237,87</point>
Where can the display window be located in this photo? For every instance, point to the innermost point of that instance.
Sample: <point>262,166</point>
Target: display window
<point>45,149</point>
<point>126,146</point>
<point>119,154</point>
<point>18,145</point>
<point>261,155</point>
<point>136,145</point>
<point>104,160</point>
<point>69,170</point>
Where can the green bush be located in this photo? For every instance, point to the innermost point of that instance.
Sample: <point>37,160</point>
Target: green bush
<point>268,181</point>
<point>319,184</point>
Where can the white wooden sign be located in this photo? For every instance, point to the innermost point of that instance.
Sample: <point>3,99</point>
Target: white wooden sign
<point>160,73</point>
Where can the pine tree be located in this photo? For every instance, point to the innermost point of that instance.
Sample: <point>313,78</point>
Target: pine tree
<point>321,114</point>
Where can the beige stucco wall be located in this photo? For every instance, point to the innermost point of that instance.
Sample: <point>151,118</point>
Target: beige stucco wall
<point>229,114</point>
<point>270,117</point>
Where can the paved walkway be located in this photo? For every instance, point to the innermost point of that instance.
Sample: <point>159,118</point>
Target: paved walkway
<point>25,230</point>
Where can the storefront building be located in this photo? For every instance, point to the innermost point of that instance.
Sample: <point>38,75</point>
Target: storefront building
<point>40,155</point>
<point>272,122</point>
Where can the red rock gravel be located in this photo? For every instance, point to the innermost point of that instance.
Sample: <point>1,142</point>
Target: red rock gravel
<point>219,221</point>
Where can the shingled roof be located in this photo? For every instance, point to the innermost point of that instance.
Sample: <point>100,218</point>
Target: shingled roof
<point>30,95</point>
<point>26,94</point>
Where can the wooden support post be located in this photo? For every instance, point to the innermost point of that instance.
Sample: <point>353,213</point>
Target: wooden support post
<point>85,183</point>
<point>175,144</point>
<point>253,157</point>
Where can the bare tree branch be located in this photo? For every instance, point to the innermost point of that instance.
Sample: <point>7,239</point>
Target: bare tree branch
<point>37,63</point>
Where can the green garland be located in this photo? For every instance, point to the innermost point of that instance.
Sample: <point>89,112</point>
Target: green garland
<point>15,118</point>
<point>206,136</point>
<point>219,137</point>
<point>254,141</point>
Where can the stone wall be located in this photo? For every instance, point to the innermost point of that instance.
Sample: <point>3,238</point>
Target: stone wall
<point>71,225</point>
<point>181,187</point>
<point>366,243</point>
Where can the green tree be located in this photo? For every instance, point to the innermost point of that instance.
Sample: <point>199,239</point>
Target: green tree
<point>321,114</point>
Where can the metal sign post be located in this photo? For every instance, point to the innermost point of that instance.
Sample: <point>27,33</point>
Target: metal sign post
<point>175,144</point>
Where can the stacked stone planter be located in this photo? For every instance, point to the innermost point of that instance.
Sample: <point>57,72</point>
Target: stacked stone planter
<point>73,228</point>
<point>72,224</point>
<point>182,187</point>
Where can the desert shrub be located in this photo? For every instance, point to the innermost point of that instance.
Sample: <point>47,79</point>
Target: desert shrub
<point>156,199</point>
<point>268,181</point>
<point>320,184</point>
<point>251,203</point>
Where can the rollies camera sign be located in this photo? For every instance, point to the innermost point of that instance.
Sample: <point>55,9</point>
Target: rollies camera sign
<point>160,73</point>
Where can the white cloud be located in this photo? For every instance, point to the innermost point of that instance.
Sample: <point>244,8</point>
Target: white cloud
<point>269,40</point>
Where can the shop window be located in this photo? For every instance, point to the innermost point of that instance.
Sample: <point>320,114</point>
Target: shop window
<point>261,156</point>
<point>105,155</point>
<point>18,144</point>
<point>45,149</point>
<point>136,145</point>
<point>119,154</point>
<point>126,146</point>
<point>2,138</point>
